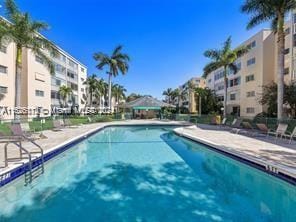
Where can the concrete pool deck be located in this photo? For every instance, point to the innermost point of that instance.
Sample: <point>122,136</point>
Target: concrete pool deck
<point>256,150</point>
<point>275,158</point>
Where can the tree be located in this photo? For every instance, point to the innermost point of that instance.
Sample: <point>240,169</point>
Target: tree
<point>91,82</point>
<point>274,11</point>
<point>269,98</point>
<point>65,92</point>
<point>209,100</point>
<point>180,95</point>
<point>119,92</point>
<point>169,94</point>
<point>100,90</point>
<point>226,58</point>
<point>132,97</point>
<point>116,63</point>
<point>24,32</point>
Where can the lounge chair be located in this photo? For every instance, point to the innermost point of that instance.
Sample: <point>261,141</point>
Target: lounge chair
<point>236,126</point>
<point>26,128</point>
<point>262,128</point>
<point>291,135</point>
<point>223,123</point>
<point>280,131</point>
<point>246,128</point>
<point>57,126</point>
<point>16,130</point>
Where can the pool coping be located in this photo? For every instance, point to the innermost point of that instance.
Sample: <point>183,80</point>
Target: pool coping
<point>17,171</point>
<point>269,168</point>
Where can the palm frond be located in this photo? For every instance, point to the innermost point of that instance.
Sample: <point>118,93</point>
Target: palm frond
<point>210,67</point>
<point>212,54</point>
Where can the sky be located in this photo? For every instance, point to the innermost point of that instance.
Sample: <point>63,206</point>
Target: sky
<point>165,39</point>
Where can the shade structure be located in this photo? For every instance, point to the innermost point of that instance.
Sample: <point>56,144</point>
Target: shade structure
<point>147,103</point>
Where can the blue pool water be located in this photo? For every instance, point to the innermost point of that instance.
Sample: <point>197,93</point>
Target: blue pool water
<point>147,174</point>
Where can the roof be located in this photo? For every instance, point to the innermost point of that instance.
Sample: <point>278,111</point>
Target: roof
<point>146,102</point>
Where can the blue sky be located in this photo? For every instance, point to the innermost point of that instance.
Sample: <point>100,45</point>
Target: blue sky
<point>164,38</point>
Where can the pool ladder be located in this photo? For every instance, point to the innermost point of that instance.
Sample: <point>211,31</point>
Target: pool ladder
<point>31,172</point>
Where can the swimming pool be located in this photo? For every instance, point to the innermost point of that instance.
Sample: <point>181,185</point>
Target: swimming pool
<point>147,174</point>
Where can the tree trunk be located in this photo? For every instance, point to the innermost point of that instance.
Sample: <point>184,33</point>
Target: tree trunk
<point>280,67</point>
<point>18,72</point>
<point>91,97</point>
<point>225,92</point>
<point>109,92</point>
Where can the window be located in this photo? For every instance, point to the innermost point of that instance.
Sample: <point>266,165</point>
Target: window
<point>232,96</point>
<point>3,69</point>
<point>72,86</point>
<point>286,71</point>
<point>3,89</point>
<point>82,69</point>
<point>220,98</point>
<point>82,89</point>
<point>250,78</point>
<point>58,82</point>
<point>55,95</point>
<point>252,45</point>
<point>59,68</point>
<point>250,110</point>
<point>251,94</point>
<point>234,82</point>
<point>38,59</point>
<point>3,48</point>
<point>287,31</point>
<point>39,93</point>
<point>72,64</point>
<point>71,75</point>
<point>287,51</point>
<point>251,61</point>
<point>219,75</point>
<point>210,80</point>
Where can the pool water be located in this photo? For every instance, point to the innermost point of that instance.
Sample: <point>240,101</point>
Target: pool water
<point>147,174</point>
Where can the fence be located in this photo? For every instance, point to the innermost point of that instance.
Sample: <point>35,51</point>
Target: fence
<point>39,124</point>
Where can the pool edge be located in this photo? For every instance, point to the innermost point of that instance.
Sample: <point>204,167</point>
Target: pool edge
<point>10,175</point>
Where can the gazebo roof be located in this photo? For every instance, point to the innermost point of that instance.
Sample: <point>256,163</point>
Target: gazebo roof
<point>147,102</point>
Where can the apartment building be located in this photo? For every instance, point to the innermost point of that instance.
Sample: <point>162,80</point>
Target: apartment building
<point>255,69</point>
<point>39,88</point>
<point>187,88</point>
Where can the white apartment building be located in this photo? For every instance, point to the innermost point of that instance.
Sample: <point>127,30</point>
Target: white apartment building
<point>39,88</point>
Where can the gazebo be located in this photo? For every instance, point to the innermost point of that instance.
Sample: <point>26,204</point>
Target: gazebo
<point>146,107</point>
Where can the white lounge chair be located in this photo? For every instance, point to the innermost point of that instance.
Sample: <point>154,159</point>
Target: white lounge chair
<point>291,135</point>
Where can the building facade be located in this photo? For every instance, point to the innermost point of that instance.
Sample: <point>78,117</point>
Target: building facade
<point>189,100</point>
<point>255,69</point>
<point>39,88</point>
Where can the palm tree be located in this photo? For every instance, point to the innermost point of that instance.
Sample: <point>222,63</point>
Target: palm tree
<point>119,92</point>
<point>100,90</point>
<point>168,93</point>
<point>180,95</point>
<point>91,83</point>
<point>116,63</point>
<point>274,11</point>
<point>225,58</point>
<point>24,32</point>
<point>191,93</point>
<point>65,92</point>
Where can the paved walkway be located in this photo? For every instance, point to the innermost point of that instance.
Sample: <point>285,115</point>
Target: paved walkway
<point>259,149</point>
<point>59,138</point>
